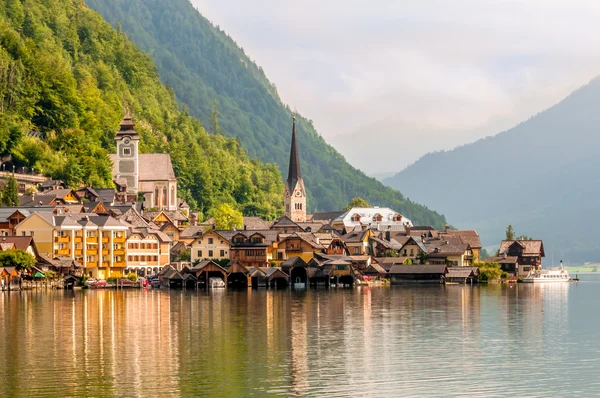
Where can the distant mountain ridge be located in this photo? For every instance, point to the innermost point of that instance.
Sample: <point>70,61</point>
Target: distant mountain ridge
<point>201,63</point>
<point>539,176</point>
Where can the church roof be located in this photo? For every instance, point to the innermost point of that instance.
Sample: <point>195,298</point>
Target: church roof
<point>294,170</point>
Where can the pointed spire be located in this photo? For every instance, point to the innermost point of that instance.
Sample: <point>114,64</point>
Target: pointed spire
<point>127,123</point>
<point>294,171</point>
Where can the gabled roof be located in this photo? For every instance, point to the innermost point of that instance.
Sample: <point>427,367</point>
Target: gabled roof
<point>191,231</point>
<point>460,272</point>
<point>469,236</point>
<point>530,247</point>
<point>285,222</point>
<point>326,216</point>
<point>446,246</point>
<point>412,241</point>
<point>19,242</point>
<point>419,269</point>
<point>294,262</point>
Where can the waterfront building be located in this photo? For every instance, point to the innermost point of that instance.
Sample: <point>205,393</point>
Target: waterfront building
<point>214,245</point>
<point>421,273</point>
<point>529,254</point>
<point>149,174</point>
<point>96,242</point>
<point>295,192</point>
<point>357,241</point>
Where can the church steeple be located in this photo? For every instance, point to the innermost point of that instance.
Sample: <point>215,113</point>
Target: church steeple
<point>295,193</point>
<point>294,171</point>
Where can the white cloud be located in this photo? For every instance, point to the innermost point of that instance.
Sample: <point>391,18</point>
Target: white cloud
<point>454,71</point>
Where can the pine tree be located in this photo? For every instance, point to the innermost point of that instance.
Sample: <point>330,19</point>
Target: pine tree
<point>10,195</point>
<point>214,118</point>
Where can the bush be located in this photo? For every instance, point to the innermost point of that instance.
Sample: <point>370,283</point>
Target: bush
<point>489,271</point>
<point>132,276</point>
<point>112,279</point>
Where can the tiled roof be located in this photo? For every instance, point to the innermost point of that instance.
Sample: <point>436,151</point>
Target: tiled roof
<point>418,269</point>
<point>530,247</point>
<point>470,236</point>
<point>151,166</point>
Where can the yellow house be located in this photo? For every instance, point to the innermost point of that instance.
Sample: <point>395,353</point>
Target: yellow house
<point>306,244</point>
<point>211,245</point>
<point>357,241</point>
<point>148,250</point>
<point>96,242</point>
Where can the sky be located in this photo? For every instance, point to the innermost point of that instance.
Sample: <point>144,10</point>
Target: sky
<point>387,81</point>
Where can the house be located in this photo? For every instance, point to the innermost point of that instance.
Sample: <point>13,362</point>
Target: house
<point>251,248</point>
<point>412,248</point>
<point>207,269</point>
<point>249,223</point>
<point>357,241</point>
<point>50,198</point>
<point>211,245</point>
<point>148,250</point>
<point>462,275</point>
<point>297,269</point>
<point>377,218</point>
<point>470,237</point>
<point>52,185</point>
<point>422,273</point>
<point>306,244</point>
<point>451,251</point>
<point>88,193</point>
<point>508,264</point>
<point>272,277</point>
<point>286,226</point>
<point>529,254</point>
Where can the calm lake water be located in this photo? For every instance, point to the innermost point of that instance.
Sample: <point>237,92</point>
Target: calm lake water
<point>401,341</point>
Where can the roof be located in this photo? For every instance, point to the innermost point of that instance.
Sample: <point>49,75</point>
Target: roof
<point>469,236</point>
<point>191,231</point>
<point>367,215</point>
<point>327,216</point>
<point>399,269</point>
<point>355,236</point>
<point>530,247</point>
<point>45,198</point>
<point>503,259</point>
<point>445,247</point>
<point>254,223</point>
<point>283,222</point>
<point>52,183</point>
<point>376,268</point>
<point>460,272</point>
<point>106,195</point>
<point>294,174</point>
<point>127,128</point>
<point>18,242</point>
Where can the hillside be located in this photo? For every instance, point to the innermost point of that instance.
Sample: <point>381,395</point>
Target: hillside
<point>539,176</point>
<point>202,64</point>
<point>67,75</point>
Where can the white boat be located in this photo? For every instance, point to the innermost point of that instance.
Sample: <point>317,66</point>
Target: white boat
<point>215,282</point>
<point>548,276</point>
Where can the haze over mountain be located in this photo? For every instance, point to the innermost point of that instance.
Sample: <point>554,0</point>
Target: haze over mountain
<point>540,176</point>
<point>201,63</point>
<point>456,71</point>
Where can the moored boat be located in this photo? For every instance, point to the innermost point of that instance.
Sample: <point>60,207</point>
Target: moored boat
<point>548,276</point>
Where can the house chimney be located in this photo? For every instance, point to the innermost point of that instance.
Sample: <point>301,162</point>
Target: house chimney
<point>447,227</point>
<point>407,228</point>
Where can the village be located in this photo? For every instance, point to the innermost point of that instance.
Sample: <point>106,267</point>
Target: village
<point>141,229</point>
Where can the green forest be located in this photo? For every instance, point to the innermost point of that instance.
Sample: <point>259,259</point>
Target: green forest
<point>203,64</point>
<point>66,79</point>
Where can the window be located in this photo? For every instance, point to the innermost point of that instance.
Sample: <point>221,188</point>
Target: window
<point>31,233</point>
<point>280,255</point>
<point>164,198</point>
<point>356,250</point>
<point>172,195</point>
<point>210,253</point>
<point>199,254</point>
<point>210,241</point>
<point>126,151</point>
<point>156,196</point>
<point>222,253</point>
<point>405,252</point>
<point>412,252</point>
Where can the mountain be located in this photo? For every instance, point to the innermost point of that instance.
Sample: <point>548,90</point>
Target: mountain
<point>203,64</point>
<point>540,176</point>
<point>67,76</point>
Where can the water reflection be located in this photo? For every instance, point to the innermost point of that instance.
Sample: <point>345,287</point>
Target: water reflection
<point>413,341</point>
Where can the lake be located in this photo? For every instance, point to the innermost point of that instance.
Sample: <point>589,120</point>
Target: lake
<point>482,341</point>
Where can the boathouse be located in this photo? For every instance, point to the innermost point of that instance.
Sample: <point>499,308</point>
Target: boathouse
<point>296,268</point>
<point>462,275</point>
<point>208,269</point>
<point>237,275</point>
<point>421,273</point>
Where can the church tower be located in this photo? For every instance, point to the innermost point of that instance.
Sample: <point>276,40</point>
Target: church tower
<point>295,193</point>
<point>127,159</point>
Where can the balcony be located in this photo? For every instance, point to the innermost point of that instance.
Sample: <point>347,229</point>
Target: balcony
<point>77,239</point>
<point>91,264</point>
<point>91,252</point>
<point>105,264</point>
<point>119,239</point>
<point>105,252</point>
<point>62,239</point>
<point>119,264</point>
<point>91,239</point>
<point>78,252</point>
<point>335,251</point>
<point>119,252</point>
<point>63,252</point>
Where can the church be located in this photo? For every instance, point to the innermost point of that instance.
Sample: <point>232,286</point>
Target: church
<point>295,193</point>
<point>147,174</point>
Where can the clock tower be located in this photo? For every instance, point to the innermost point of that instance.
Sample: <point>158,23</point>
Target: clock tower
<point>295,193</point>
<point>127,159</point>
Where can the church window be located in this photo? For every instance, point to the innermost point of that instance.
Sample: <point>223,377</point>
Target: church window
<point>156,197</point>
<point>164,200</point>
<point>126,151</point>
<point>172,196</point>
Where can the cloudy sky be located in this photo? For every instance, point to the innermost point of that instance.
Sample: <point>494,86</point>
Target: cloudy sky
<point>388,81</point>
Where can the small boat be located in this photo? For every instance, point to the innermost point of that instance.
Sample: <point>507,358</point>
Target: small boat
<point>215,282</point>
<point>548,276</point>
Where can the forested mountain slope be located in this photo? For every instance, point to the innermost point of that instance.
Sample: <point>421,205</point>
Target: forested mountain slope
<point>201,63</point>
<point>541,177</point>
<point>66,74</point>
